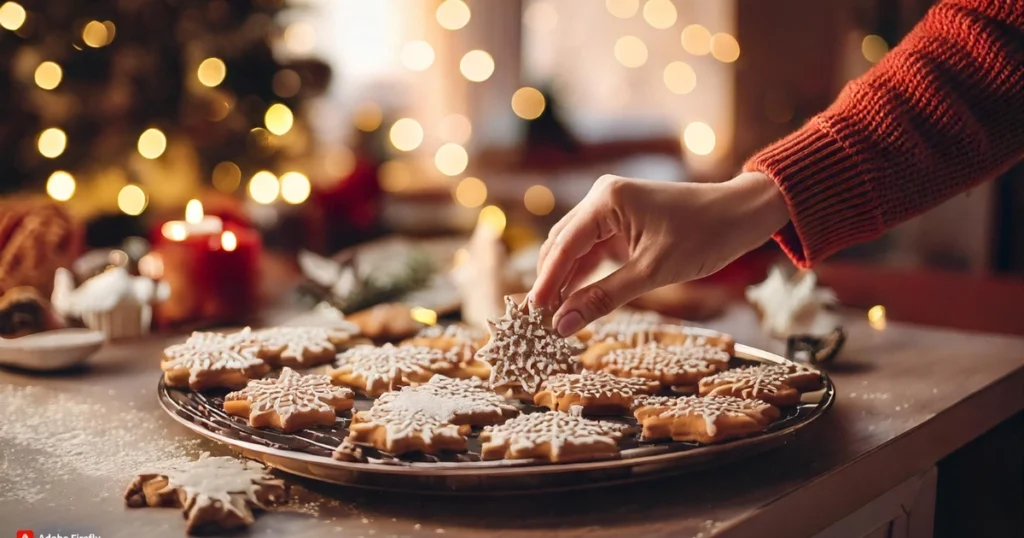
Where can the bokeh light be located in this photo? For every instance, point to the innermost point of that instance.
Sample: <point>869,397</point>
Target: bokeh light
<point>48,75</point>
<point>453,14</point>
<point>228,241</point>
<point>471,192</point>
<point>873,47</point>
<point>451,159</point>
<point>539,200</point>
<point>680,78</point>
<point>699,138</point>
<point>174,230</point>
<point>264,187</point>
<point>630,51</point>
<point>95,34</point>
<point>211,72</point>
<point>12,15</point>
<point>295,187</point>
<point>395,176</point>
<point>52,142</point>
<point>660,14</point>
<point>696,40</point>
<point>877,317</point>
<point>338,163</point>
<point>194,212</point>
<point>300,38</point>
<point>493,218</point>
<point>60,186</point>
<point>279,119</point>
<point>476,65</point>
<point>152,143</point>
<point>541,16</point>
<point>367,117</point>
<point>622,9</point>
<point>528,103</point>
<point>725,48</point>
<point>417,55</point>
<point>286,83</point>
<point>132,200</point>
<point>455,128</point>
<point>406,134</point>
<point>227,176</point>
<point>425,316</point>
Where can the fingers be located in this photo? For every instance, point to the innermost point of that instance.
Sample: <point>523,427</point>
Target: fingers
<point>600,298</point>
<point>577,238</point>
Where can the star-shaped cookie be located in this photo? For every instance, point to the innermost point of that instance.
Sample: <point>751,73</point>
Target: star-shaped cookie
<point>599,393</point>
<point>553,436</point>
<point>304,346</point>
<point>291,402</point>
<point>778,384</point>
<point>679,367</point>
<point>211,360</point>
<point>524,350</point>
<point>711,419</point>
<point>375,370</point>
<point>216,494</point>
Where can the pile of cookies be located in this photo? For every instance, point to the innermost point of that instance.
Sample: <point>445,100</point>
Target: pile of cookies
<point>522,390</point>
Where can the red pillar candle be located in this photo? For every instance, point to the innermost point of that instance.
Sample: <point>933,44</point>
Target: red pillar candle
<point>211,266</point>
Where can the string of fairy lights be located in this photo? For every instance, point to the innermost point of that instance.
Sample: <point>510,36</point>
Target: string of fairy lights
<point>405,134</point>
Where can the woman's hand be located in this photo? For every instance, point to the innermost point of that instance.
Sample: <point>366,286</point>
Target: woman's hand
<point>661,232</point>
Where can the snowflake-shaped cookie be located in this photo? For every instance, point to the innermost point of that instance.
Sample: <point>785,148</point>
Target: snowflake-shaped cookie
<point>596,392</point>
<point>303,346</point>
<point>289,403</point>
<point>457,331</point>
<point>375,370</point>
<point>400,428</point>
<point>207,360</point>
<point>554,436</point>
<point>215,493</point>
<point>706,420</point>
<point>524,350</point>
<point>677,366</point>
<point>776,384</point>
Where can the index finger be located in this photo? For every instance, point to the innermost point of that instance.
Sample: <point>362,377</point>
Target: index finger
<point>576,239</point>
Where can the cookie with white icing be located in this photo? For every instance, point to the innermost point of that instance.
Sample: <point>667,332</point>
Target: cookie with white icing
<point>291,402</point>
<point>597,393</point>
<point>215,494</point>
<point>524,350</point>
<point>213,360</point>
<point>779,384</point>
<point>375,370</point>
<point>304,346</point>
<point>386,321</point>
<point>553,436</point>
<point>707,420</point>
<point>679,367</point>
<point>640,327</point>
<point>460,343</point>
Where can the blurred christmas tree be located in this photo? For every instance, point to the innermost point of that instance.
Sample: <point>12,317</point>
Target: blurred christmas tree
<point>120,105</point>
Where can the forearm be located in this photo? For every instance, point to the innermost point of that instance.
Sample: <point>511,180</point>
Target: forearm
<point>939,114</point>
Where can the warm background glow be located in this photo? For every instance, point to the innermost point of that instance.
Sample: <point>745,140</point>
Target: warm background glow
<point>406,134</point>
<point>477,65</point>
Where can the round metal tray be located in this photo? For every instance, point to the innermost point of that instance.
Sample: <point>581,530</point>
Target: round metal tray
<point>308,452</point>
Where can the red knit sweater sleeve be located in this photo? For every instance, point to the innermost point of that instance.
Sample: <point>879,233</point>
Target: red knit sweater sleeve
<point>940,113</point>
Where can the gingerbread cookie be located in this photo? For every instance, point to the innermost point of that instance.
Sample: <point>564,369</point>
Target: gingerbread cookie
<point>387,322</point>
<point>640,327</point>
<point>598,393</point>
<point>215,494</point>
<point>376,370</point>
<point>679,367</point>
<point>712,419</point>
<point>303,346</point>
<point>289,403</point>
<point>553,436</point>
<point>524,350</point>
<point>212,360</point>
<point>778,385</point>
<point>460,343</point>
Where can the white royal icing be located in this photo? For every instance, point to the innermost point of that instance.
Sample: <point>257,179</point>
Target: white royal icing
<point>215,479</point>
<point>589,384</point>
<point>388,363</point>
<point>752,381</point>
<point>206,351</point>
<point>526,432</point>
<point>710,408</point>
<point>671,360</point>
<point>296,342</point>
<point>291,393</point>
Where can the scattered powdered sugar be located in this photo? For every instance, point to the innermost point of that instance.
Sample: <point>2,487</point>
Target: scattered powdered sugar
<point>51,437</point>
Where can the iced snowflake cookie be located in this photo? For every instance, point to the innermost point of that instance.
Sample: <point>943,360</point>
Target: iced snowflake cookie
<point>705,420</point>
<point>213,360</point>
<point>524,350</point>
<point>639,327</point>
<point>375,370</point>
<point>679,367</point>
<point>303,346</point>
<point>598,393</point>
<point>429,418</point>
<point>216,494</point>
<point>460,343</point>
<point>778,385</point>
<point>289,403</point>
<point>387,321</point>
<point>556,437</point>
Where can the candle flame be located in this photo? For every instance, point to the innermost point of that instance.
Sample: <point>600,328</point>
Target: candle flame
<point>174,230</point>
<point>425,316</point>
<point>876,317</point>
<point>228,241</point>
<point>194,212</point>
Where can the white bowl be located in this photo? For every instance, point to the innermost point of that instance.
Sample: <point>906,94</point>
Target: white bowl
<point>51,350</point>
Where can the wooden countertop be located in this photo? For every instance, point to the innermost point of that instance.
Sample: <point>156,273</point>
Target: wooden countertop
<point>906,397</point>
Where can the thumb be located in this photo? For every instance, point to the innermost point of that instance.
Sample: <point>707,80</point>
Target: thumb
<point>601,297</point>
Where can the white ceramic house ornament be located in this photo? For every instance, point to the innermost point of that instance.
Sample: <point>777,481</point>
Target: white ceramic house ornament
<point>793,305</point>
<point>114,302</point>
